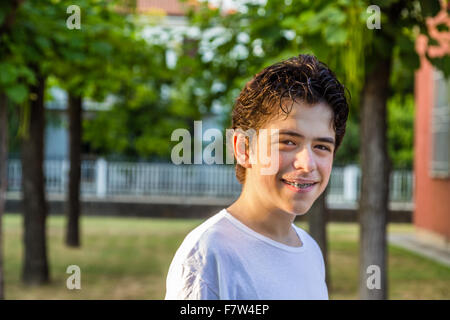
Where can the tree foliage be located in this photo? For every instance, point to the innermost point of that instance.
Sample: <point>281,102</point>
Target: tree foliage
<point>232,46</point>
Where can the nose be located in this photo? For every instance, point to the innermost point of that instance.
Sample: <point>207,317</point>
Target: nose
<point>304,160</point>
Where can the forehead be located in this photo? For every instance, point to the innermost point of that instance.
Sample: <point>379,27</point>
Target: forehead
<point>314,118</point>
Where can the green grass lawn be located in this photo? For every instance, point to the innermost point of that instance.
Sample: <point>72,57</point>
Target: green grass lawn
<point>128,258</point>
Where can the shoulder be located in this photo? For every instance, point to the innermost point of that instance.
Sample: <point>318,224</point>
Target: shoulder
<point>203,244</point>
<point>193,271</point>
<point>315,248</point>
<point>309,241</point>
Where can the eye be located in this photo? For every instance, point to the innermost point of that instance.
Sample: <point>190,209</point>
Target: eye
<point>322,147</point>
<point>286,142</point>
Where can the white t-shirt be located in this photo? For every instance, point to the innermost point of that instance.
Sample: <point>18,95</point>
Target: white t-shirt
<point>224,259</point>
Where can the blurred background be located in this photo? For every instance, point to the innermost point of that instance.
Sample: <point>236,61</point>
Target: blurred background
<point>92,90</point>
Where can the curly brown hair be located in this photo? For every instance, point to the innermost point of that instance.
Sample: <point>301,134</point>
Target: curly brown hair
<point>303,77</point>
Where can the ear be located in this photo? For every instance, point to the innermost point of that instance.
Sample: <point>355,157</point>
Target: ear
<point>241,149</point>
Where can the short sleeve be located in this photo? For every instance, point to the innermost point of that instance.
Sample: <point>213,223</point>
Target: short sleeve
<point>322,260</point>
<point>194,271</point>
<point>323,267</point>
<point>318,251</point>
<point>191,287</point>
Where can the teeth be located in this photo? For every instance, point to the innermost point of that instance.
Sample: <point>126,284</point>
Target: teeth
<point>298,185</point>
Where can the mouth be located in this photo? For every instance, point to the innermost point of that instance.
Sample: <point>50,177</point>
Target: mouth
<point>298,186</point>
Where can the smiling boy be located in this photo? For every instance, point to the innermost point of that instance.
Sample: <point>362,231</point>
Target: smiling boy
<point>253,249</point>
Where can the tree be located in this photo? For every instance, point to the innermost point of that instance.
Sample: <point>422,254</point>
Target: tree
<point>3,178</point>
<point>339,33</point>
<point>317,220</point>
<point>376,164</point>
<point>39,46</point>
<point>35,270</point>
<point>146,108</point>
<point>10,90</point>
<point>28,44</point>
<point>25,68</point>
<point>73,199</point>
<point>88,63</point>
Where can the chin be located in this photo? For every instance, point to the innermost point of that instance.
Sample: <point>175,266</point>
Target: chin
<point>299,210</point>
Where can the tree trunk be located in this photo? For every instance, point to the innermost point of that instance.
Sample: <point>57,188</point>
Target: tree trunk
<point>35,270</point>
<point>317,220</point>
<point>73,197</point>
<point>3,178</point>
<point>5,27</point>
<point>375,167</point>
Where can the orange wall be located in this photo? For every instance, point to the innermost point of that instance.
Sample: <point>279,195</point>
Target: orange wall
<point>431,196</point>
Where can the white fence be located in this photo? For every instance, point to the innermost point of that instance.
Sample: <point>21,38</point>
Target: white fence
<point>101,178</point>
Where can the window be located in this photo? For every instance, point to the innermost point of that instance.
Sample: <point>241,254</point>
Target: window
<point>440,127</point>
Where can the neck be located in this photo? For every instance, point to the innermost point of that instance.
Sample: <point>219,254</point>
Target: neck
<point>261,217</point>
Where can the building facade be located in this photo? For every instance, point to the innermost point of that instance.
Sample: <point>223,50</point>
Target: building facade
<point>432,139</point>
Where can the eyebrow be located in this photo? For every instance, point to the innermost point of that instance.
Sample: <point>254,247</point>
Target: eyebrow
<point>296,134</point>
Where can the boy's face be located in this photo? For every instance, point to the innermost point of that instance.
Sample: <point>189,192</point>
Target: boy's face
<point>304,156</point>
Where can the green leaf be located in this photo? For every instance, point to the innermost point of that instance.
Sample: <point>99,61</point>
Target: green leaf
<point>8,74</point>
<point>333,15</point>
<point>17,93</point>
<point>308,23</point>
<point>335,36</point>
